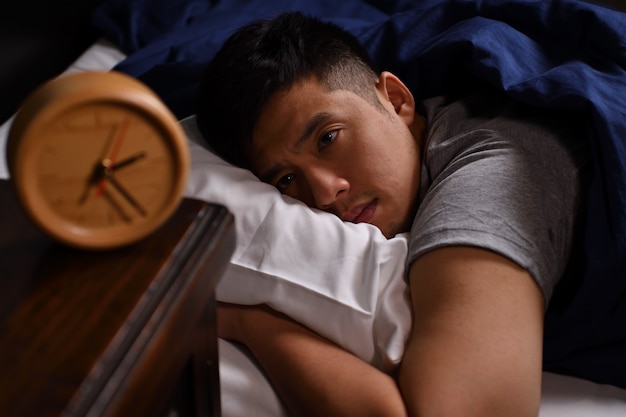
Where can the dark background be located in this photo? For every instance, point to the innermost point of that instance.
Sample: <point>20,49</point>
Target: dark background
<point>40,38</point>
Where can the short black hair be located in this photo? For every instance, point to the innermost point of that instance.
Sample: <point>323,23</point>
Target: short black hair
<point>267,56</point>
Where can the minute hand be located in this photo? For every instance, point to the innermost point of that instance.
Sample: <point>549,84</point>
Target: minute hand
<point>126,194</point>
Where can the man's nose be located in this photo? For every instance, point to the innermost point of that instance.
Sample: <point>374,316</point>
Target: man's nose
<point>326,185</point>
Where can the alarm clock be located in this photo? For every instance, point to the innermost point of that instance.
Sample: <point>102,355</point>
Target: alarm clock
<point>97,160</point>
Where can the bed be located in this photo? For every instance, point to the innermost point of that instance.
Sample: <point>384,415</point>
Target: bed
<point>566,54</point>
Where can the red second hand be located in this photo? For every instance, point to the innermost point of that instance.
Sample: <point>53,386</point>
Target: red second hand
<point>117,144</point>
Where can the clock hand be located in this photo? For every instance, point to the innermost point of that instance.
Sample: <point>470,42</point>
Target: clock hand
<point>104,168</point>
<point>118,140</point>
<point>125,162</point>
<point>125,194</point>
<point>97,175</point>
<point>85,193</point>
<point>117,144</point>
<point>98,172</point>
<point>116,207</point>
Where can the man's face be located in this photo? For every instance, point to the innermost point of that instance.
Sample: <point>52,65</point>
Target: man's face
<point>337,152</point>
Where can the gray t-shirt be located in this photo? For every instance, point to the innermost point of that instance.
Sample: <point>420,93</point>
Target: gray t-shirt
<point>497,175</point>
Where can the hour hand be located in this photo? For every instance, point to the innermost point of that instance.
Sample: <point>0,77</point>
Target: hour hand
<point>128,161</point>
<point>97,174</point>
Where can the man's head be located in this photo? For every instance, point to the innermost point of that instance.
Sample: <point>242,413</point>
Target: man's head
<point>264,57</point>
<point>297,101</point>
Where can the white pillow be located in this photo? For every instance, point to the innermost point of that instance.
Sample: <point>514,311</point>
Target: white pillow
<point>342,280</point>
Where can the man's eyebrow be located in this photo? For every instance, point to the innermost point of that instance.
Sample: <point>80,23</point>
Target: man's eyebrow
<point>269,175</point>
<point>313,125</point>
<point>309,129</point>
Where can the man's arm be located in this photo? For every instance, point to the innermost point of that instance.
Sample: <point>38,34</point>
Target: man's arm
<point>476,344</point>
<point>313,376</point>
<point>474,350</point>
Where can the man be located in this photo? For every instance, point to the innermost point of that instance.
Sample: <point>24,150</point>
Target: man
<point>487,187</point>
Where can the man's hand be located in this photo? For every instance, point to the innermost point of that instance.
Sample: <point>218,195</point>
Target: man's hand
<point>230,320</point>
<point>313,376</point>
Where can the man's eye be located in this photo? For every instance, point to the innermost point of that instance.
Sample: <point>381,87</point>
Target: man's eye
<point>326,139</point>
<point>284,181</point>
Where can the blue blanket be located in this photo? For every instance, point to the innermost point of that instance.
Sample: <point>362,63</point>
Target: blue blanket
<point>560,54</point>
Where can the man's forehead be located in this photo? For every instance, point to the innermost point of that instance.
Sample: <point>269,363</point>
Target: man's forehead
<point>291,112</point>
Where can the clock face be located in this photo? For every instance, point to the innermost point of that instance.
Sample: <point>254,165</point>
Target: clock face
<point>90,175</point>
<point>100,172</point>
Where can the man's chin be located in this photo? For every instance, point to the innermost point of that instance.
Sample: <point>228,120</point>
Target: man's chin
<point>392,229</point>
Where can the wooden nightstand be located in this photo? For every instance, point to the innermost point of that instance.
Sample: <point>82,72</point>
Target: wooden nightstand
<point>126,332</point>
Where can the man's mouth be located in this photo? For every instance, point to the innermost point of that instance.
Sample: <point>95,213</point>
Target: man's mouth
<point>362,213</point>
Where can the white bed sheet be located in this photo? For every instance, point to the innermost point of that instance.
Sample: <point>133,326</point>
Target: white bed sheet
<point>246,392</point>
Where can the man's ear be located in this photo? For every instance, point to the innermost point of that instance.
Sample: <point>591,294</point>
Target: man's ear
<point>394,91</point>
